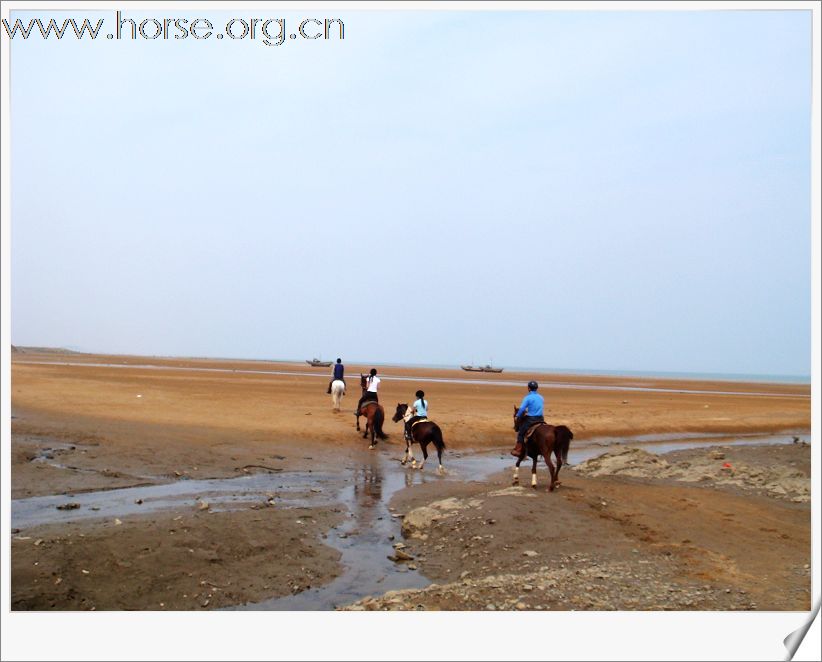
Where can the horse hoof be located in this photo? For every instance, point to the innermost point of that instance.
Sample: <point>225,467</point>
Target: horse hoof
<point>371,448</point>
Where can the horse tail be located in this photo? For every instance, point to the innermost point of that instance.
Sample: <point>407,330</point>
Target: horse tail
<point>379,417</point>
<point>564,435</point>
<point>436,434</point>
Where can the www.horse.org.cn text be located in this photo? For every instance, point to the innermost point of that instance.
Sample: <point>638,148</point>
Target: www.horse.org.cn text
<point>268,31</point>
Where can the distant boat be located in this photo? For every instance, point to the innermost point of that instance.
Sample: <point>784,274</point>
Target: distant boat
<point>488,368</point>
<point>484,368</point>
<point>471,368</point>
<point>316,363</point>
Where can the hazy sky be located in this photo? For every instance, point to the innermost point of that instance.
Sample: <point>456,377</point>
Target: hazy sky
<point>578,190</point>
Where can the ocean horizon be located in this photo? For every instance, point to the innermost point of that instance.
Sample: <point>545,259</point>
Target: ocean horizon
<point>594,372</point>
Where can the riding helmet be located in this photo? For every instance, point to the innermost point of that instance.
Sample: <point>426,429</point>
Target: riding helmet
<point>532,385</point>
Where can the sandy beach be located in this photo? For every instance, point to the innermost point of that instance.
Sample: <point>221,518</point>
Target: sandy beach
<point>88,430</point>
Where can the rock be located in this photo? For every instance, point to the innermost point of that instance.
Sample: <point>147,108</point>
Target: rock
<point>399,545</point>
<point>38,542</point>
<point>203,505</point>
<point>117,522</point>
<point>402,556</point>
<point>521,606</point>
<point>138,501</point>
<point>68,506</point>
<point>529,553</point>
<point>490,607</point>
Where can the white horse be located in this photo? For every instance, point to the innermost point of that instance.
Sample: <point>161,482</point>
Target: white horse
<point>337,392</point>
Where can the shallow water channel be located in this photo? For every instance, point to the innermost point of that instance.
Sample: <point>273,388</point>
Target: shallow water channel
<point>363,489</point>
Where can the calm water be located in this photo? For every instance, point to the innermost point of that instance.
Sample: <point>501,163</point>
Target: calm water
<point>478,381</point>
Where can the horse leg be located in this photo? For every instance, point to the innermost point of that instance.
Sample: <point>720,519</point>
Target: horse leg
<point>534,473</point>
<point>515,481</point>
<point>550,464</point>
<point>424,445</point>
<point>357,414</point>
<point>440,468</point>
<point>558,455</point>
<point>407,453</point>
<point>373,435</point>
<point>411,451</point>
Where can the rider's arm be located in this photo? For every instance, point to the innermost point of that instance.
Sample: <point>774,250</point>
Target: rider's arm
<point>523,407</point>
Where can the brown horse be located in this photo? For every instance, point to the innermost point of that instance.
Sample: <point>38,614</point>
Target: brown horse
<point>374,416</point>
<point>423,432</point>
<point>544,440</point>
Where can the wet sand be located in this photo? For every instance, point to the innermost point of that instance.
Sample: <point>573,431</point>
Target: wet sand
<point>79,427</point>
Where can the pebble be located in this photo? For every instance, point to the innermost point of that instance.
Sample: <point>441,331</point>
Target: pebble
<point>529,552</point>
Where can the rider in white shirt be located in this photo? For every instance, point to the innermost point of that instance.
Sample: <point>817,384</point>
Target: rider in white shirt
<point>372,384</point>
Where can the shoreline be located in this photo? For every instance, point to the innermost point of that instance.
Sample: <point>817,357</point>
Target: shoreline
<point>564,376</point>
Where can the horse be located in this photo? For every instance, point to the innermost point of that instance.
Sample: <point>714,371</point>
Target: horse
<point>424,432</point>
<point>544,440</point>
<point>337,392</point>
<point>374,416</point>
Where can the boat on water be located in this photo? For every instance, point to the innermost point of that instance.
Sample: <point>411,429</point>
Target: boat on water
<point>488,368</point>
<point>481,368</point>
<point>471,368</point>
<point>316,363</point>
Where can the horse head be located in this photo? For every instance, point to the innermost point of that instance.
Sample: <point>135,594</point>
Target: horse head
<point>516,420</point>
<point>363,381</point>
<point>400,413</point>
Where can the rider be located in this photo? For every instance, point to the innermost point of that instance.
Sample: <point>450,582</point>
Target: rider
<point>370,394</point>
<point>339,369</point>
<point>420,409</point>
<point>532,403</point>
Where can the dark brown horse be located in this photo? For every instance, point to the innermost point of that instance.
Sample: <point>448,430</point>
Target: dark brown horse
<point>423,432</point>
<point>374,416</point>
<point>544,440</point>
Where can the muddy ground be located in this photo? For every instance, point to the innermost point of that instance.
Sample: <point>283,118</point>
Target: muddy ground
<point>632,533</point>
<point>612,542</point>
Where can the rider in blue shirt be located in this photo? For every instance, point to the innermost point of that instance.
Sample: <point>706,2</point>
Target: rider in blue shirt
<point>532,405</point>
<point>339,369</point>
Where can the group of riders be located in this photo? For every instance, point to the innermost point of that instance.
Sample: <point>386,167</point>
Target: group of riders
<point>531,410</point>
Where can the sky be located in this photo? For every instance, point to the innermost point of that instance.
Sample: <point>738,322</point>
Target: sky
<point>571,190</point>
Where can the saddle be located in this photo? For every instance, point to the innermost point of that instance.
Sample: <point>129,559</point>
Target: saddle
<point>424,419</point>
<point>530,432</point>
<point>367,403</point>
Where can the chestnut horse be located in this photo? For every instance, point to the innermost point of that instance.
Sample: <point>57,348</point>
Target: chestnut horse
<point>423,432</point>
<point>544,440</point>
<point>374,416</point>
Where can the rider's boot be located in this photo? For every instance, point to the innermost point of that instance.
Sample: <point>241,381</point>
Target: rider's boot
<point>517,449</point>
